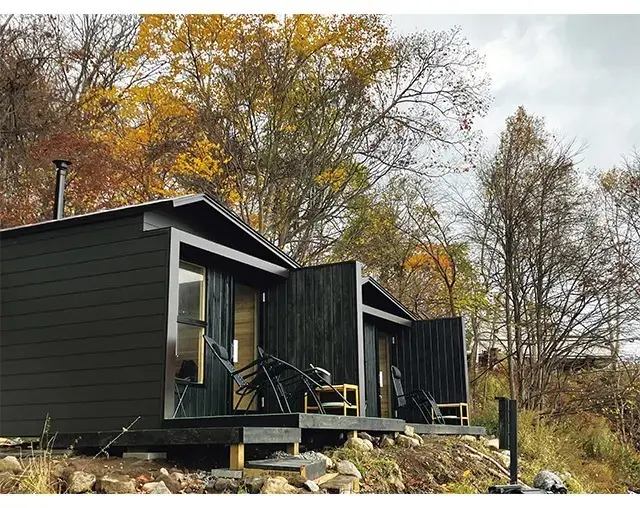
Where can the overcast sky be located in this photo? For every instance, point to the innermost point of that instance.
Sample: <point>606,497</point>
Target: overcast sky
<point>580,72</point>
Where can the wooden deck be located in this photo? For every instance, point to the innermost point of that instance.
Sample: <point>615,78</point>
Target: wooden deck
<point>448,430</point>
<point>293,420</point>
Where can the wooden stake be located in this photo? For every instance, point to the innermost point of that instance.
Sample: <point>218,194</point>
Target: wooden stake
<point>352,433</point>
<point>293,449</point>
<point>236,456</point>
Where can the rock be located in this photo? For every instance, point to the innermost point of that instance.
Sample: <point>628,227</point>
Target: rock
<point>297,481</point>
<point>505,457</point>
<point>10,464</point>
<point>386,442</point>
<point>228,484</point>
<point>347,468</point>
<point>467,437</point>
<point>163,471</point>
<point>419,439</point>
<point>361,445</point>
<point>493,444</point>
<point>548,481</point>
<point>173,485</point>
<point>311,486</point>
<point>277,485</point>
<point>155,488</point>
<point>7,442</point>
<point>179,477</point>
<point>406,441</point>
<point>366,435</point>
<point>254,484</point>
<point>115,485</point>
<point>160,488</point>
<point>79,482</point>
<point>409,431</point>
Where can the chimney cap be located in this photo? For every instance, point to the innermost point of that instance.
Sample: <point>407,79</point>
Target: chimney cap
<point>61,163</point>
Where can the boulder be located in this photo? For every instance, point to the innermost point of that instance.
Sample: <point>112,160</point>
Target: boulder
<point>10,464</point>
<point>277,485</point>
<point>409,431</point>
<point>406,441</point>
<point>419,439</point>
<point>163,471</point>
<point>179,477</point>
<point>467,437</point>
<point>155,488</point>
<point>386,441</point>
<point>254,484</point>
<point>226,484</point>
<point>79,482</point>
<point>311,486</point>
<point>366,435</point>
<point>348,468</point>
<point>297,481</point>
<point>173,485</point>
<point>361,445</point>
<point>549,481</point>
<point>115,485</point>
<point>160,488</point>
<point>493,444</point>
<point>505,457</point>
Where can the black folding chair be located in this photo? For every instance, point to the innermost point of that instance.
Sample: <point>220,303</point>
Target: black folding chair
<point>187,374</point>
<point>269,372</point>
<point>290,381</point>
<point>418,399</point>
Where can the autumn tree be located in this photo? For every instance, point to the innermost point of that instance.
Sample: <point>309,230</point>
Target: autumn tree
<point>288,120</point>
<point>50,67</point>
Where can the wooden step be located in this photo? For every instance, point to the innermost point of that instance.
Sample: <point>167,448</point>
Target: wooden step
<point>290,466</point>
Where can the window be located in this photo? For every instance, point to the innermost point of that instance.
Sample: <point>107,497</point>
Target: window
<point>191,322</point>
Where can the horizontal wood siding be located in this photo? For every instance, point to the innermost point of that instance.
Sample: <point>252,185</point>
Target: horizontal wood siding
<point>82,327</point>
<point>434,359</point>
<point>311,319</point>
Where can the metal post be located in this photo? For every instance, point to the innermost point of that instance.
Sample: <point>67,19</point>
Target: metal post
<point>503,425</point>
<point>513,441</point>
<point>61,171</point>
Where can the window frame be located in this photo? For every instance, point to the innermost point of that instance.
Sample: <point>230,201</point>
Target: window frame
<point>199,323</point>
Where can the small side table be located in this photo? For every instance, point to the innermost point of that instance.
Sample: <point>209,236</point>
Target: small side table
<point>332,404</point>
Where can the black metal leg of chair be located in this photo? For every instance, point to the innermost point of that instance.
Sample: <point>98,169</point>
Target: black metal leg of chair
<point>273,387</point>
<point>181,396</point>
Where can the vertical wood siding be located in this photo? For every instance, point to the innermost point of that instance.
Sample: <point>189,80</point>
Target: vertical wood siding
<point>371,369</point>
<point>312,318</point>
<point>434,358</point>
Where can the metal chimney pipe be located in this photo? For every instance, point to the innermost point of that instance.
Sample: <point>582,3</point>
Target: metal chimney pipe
<point>61,172</point>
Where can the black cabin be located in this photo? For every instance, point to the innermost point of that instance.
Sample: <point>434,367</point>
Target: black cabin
<point>100,313</point>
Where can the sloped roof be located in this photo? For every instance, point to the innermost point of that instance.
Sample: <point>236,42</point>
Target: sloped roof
<point>195,200</point>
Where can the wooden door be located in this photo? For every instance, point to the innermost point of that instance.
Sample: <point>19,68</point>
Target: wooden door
<point>384,377</point>
<point>245,334</point>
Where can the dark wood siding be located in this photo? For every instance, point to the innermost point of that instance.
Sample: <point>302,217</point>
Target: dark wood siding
<point>82,327</point>
<point>371,369</point>
<point>213,396</point>
<point>313,318</point>
<point>434,358</point>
